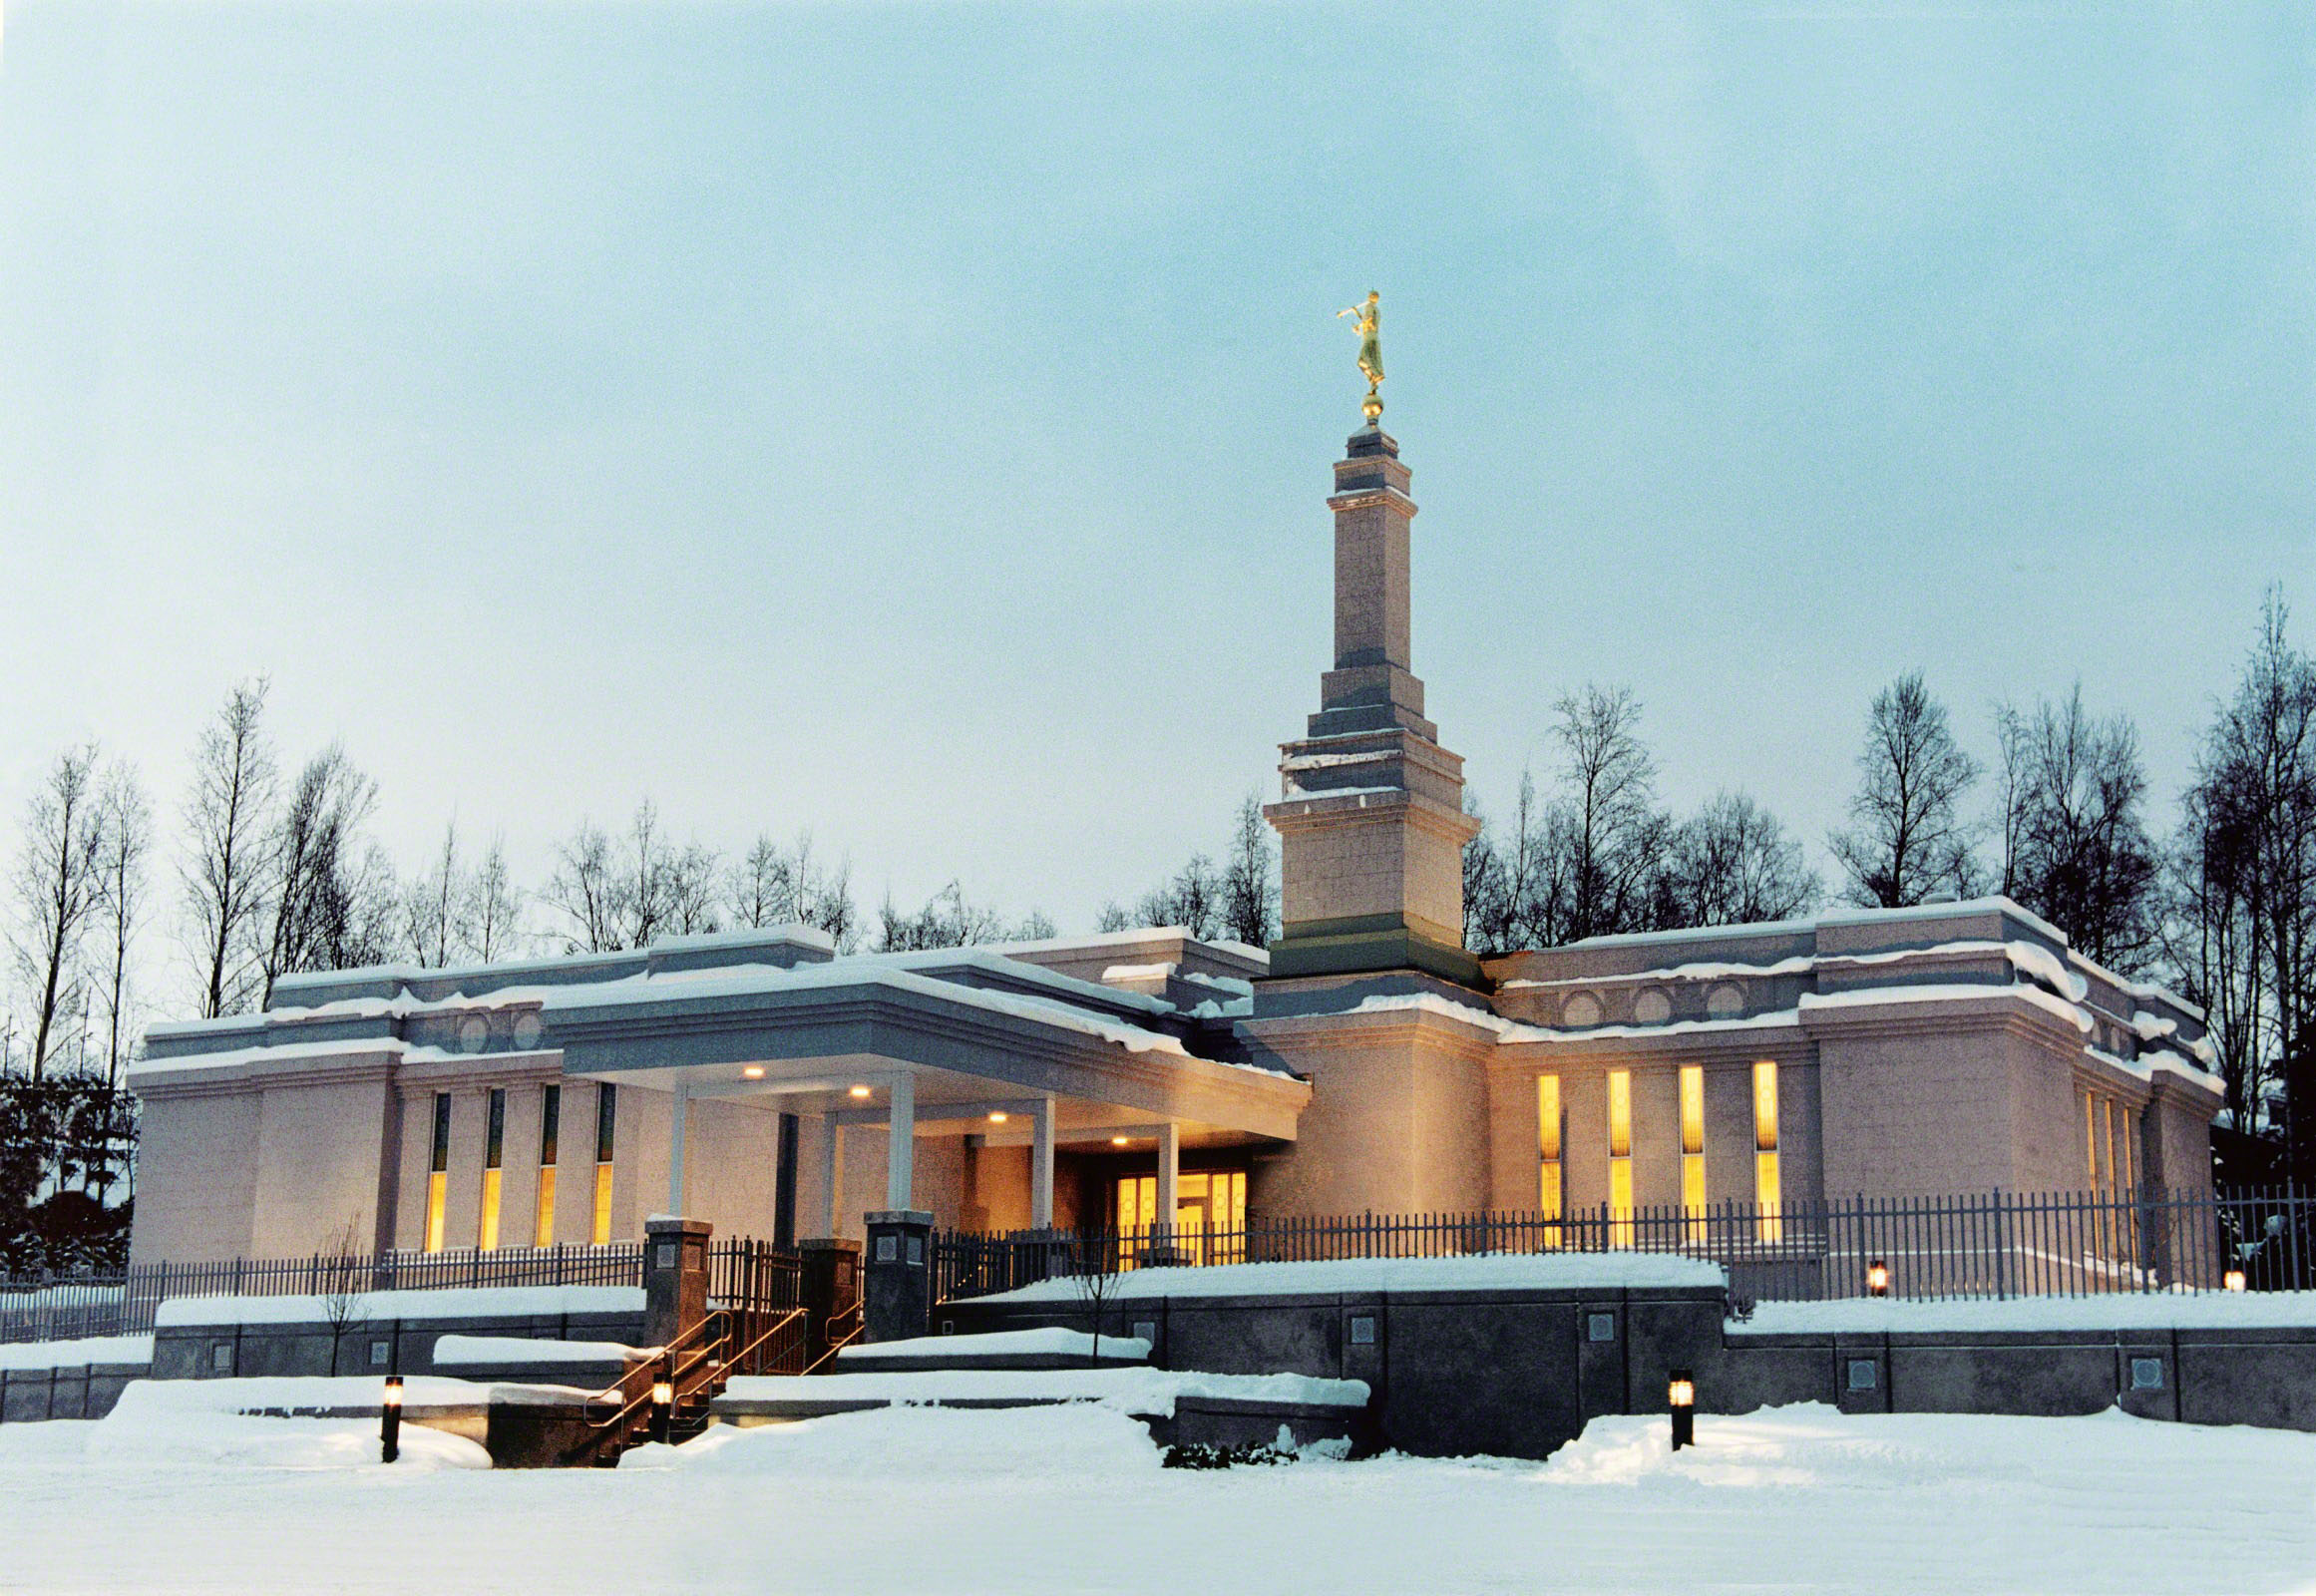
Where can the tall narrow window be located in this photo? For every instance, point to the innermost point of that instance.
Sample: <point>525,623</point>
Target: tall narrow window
<point>1620,1137</point>
<point>493,1159</point>
<point>2090,1139</point>
<point>1768,1194</point>
<point>1548,1191</point>
<point>550,1128</point>
<point>2126,1139</point>
<point>1693,1149</point>
<point>606,1118</point>
<point>438,1172</point>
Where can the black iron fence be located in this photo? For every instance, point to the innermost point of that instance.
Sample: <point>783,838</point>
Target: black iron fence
<point>1991,1244</point>
<point>66,1307</point>
<point>752,1278</point>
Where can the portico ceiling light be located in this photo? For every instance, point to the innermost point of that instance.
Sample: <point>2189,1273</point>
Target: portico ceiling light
<point>754,1071</point>
<point>860,1092</point>
<point>1119,1141</point>
<point>998,1117</point>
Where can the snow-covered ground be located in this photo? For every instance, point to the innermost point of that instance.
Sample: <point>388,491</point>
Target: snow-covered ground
<point>171,1495</point>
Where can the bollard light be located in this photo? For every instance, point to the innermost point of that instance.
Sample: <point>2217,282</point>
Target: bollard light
<point>662,1405</point>
<point>390,1421</point>
<point>2232,1280</point>
<point>1877,1279</point>
<point>1681,1393</point>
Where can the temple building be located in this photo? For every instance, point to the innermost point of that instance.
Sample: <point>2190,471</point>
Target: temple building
<point>1365,1062</point>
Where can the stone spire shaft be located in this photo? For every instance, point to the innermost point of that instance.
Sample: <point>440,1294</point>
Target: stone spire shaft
<point>1370,820</point>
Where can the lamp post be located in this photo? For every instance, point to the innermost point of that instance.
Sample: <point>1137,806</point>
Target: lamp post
<point>1877,1279</point>
<point>662,1405</point>
<point>1680,1393</point>
<point>2232,1280</point>
<point>390,1421</point>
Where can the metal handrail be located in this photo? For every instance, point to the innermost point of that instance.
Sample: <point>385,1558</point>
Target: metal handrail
<point>859,1327</point>
<point>740,1358</point>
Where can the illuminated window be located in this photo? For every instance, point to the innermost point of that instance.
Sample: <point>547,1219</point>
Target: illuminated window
<point>1548,1190</point>
<point>549,1127</point>
<point>2090,1139</point>
<point>1620,1129</point>
<point>438,1172</point>
<point>494,1155</point>
<point>1693,1149</point>
<point>607,1119</point>
<point>2123,1146</point>
<point>1210,1212</point>
<point>1768,1194</point>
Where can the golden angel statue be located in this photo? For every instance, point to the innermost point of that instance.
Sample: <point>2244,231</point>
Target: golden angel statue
<point>1368,322</point>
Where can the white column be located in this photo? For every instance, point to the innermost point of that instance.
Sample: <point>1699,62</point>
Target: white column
<point>831,1163</point>
<point>677,1115</point>
<point>900,1144</point>
<point>1042,1167</point>
<point>1169,1176</point>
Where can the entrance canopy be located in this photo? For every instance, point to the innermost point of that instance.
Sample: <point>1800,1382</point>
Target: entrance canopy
<point>949,1042</point>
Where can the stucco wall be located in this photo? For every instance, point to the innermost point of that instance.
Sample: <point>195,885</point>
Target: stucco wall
<point>317,1152</point>
<point>196,1176</point>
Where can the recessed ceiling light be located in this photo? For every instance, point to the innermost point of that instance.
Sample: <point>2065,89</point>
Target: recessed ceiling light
<point>1118,1141</point>
<point>754,1071</point>
<point>998,1117</point>
<point>860,1092</point>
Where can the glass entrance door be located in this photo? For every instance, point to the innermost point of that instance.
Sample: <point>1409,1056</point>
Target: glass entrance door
<point>1210,1214</point>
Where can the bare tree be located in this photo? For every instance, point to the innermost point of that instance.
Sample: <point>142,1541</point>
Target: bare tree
<point>948,919</point>
<point>1512,882</point>
<point>1250,906</point>
<point>1605,826</point>
<point>228,814</point>
<point>585,889</point>
<point>762,886</point>
<point>434,906</point>
<point>1734,864</point>
<point>1907,838</point>
<point>126,840</point>
<point>2240,936</point>
<point>57,893</point>
<point>2083,858</point>
<point>494,907</point>
<point>311,901</point>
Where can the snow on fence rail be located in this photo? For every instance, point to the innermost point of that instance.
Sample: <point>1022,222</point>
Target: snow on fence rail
<point>1983,1245</point>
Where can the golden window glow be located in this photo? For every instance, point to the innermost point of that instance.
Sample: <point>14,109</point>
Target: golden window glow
<point>606,1133</point>
<point>487,1233</point>
<point>438,1172</point>
<point>493,1157</point>
<point>2124,1146</point>
<point>1768,1195</point>
<point>602,1204</point>
<point>1548,1190</point>
<point>549,1145</point>
<point>544,1236</point>
<point>1693,1148</point>
<point>1619,1139</point>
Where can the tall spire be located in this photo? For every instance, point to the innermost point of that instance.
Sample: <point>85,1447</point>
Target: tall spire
<point>1371,819</point>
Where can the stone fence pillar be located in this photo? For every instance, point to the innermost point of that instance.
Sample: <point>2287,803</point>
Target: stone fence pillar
<point>676,1277</point>
<point>899,1283</point>
<point>830,1287</point>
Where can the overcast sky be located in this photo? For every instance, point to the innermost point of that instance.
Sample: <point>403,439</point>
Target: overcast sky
<point>913,423</point>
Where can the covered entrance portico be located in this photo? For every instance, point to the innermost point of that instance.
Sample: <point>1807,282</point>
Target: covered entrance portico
<point>969,1078</point>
